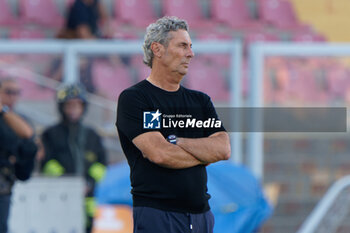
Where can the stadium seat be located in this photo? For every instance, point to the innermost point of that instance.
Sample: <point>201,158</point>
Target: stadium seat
<point>123,35</point>
<point>310,90</point>
<point>42,12</point>
<point>213,35</point>
<point>220,59</point>
<point>235,14</point>
<point>338,79</point>
<point>252,37</point>
<point>279,13</point>
<point>7,17</point>
<point>25,76</point>
<point>138,13</point>
<point>24,33</point>
<point>308,37</point>
<point>207,78</point>
<point>277,81</point>
<point>259,36</point>
<point>142,70</point>
<point>111,79</point>
<point>308,82</point>
<point>190,10</point>
<point>32,91</point>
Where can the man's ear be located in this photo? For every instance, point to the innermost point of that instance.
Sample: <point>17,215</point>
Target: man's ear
<point>157,49</point>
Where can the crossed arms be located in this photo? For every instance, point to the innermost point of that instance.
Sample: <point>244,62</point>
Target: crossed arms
<point>188,152</point>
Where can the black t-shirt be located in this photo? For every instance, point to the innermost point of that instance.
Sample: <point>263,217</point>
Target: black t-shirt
<point>81,13</point>
<point>180,190</point>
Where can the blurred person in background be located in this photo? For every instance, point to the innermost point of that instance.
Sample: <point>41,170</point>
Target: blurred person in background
<point>86,19</point>
<point>17,155</point>
<point>72,148</point>
<point>9,94</point>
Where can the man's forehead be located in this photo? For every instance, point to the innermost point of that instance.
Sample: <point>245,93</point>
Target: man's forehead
<point>180,36</point>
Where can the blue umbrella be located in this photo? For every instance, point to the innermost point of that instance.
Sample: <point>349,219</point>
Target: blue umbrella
<point>115,187</point>
<point>237,202</point>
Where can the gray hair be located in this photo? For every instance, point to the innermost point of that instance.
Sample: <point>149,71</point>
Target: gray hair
<point>158,32</point>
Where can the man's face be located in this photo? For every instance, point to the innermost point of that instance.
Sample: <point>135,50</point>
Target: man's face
<point>73,109</point>
<point>178,54</point>
<point>9,93</point>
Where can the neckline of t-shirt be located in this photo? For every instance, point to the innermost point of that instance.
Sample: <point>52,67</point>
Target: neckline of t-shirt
<point>162,90</point>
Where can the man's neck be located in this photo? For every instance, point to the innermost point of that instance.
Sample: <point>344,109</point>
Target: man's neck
<point>165,81</point>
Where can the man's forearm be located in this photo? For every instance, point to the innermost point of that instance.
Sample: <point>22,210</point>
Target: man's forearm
<point>155,148</point>
<point>18,125</point>
<point>175,157</point>
<point>208,149</point>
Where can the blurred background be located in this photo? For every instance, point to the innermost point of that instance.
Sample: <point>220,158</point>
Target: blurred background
<point>309,68</point>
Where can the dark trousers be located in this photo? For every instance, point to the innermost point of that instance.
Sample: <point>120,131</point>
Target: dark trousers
<point>150,220</point>
<point>4,212</point>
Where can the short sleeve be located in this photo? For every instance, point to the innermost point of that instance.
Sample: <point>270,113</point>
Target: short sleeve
<point>131,107</point>
<point>210,112</point>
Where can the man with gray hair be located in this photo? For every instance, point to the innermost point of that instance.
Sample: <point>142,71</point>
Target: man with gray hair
<point>169,134</point>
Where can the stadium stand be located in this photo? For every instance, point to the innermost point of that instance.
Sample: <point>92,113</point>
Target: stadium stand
<point>7,17</point>
<point>42,12</point>
<point>104,76</point>
<point>205,77</point>
<point>32,91</point>
<point>279,13</point>
<point>255,36</point>
<point>138,13</point>
<point>190,10</point>
<point>222,60</point>
<point>235,14</point>
<point>140,69</point>
<point>26,33</point>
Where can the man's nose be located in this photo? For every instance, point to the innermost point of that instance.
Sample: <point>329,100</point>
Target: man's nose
<point>190,53</point>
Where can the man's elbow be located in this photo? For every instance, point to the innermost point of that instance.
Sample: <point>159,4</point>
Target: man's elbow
<point>227,152</point>
<point>224,153</point>
<point>226,148</point>
<point>159,160</point>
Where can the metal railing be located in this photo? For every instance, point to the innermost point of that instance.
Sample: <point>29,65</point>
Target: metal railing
<point>257,53</point>
<point>330,211</point>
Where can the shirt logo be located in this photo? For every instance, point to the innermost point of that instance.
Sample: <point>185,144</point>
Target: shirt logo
<point>151,120</point>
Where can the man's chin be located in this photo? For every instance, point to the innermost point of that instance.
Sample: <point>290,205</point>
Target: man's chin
<point>183,72</point>
<point>73,121</point>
